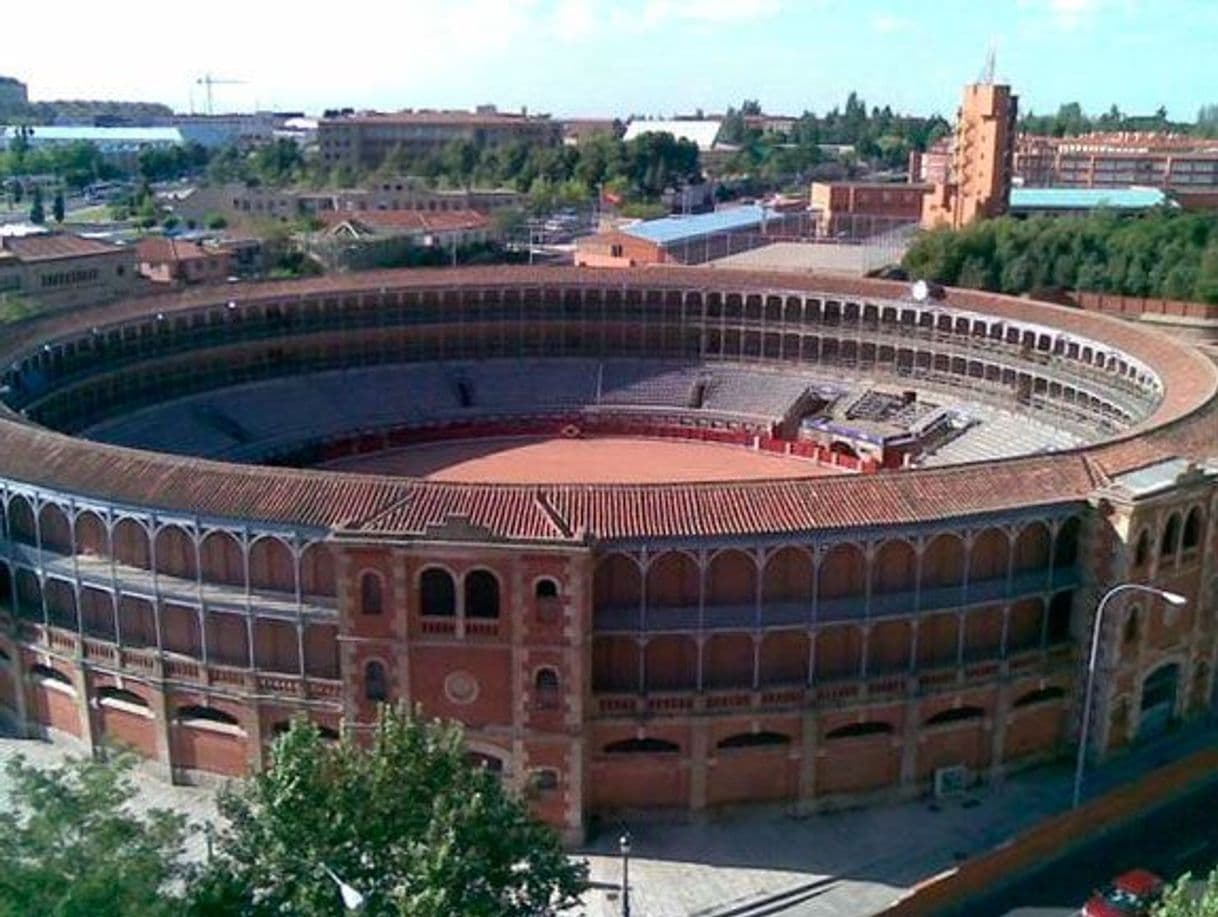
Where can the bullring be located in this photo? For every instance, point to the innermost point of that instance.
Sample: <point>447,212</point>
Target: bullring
<point>228,507</point>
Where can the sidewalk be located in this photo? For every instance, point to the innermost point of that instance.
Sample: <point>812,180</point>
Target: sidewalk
<point>767,863</point>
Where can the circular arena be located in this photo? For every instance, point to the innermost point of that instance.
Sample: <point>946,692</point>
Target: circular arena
<point>666,539</point>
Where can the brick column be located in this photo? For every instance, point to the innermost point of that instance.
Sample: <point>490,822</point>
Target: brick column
<point>809,726</point>
<point>699,742</point>
<point>88,723</point>
<point>998,731</point>
<point>909,750</point>
<point>163,764</point>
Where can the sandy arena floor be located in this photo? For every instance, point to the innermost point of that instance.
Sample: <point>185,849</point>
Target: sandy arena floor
<point>608,460</point>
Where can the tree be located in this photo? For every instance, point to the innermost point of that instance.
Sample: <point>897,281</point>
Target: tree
<point>38,213</point>
<point>1188,898</point>
<point>57,206</point>
<point>69,845</point>
<point>404,819</point>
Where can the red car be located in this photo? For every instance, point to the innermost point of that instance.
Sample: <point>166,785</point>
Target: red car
<point>1131,894</point>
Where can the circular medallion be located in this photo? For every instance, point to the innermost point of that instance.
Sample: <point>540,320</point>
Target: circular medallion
<point>461,687</point>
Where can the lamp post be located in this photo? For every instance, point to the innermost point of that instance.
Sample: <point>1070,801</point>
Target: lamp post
<point>1172,598</point>
<point>623,844</point>
<point>352,899</point>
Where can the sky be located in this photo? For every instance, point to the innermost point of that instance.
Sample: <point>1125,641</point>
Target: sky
<point>617,57</point>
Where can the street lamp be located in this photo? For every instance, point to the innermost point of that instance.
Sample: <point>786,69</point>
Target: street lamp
<point>1172,598</point>
<point>623,844</point>
<point>352,899</point>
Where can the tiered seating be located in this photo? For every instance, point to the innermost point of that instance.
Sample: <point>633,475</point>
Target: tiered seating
<point>999,433</point>
<point>647,382</point>
<point>746,391</point>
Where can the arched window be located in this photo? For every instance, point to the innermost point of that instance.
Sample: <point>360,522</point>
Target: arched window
<point>755,740</point>
<point>437,593</point>
<point>1171,537</point>
<point>481,595</point>
<point>546,685</point>
<point>1141,552</point>
<point>376,686</point>
<point>955,715</point>
<point>196,715</point>
<point>1192,529</point>
<point>641,746</point>
<point>546,589</point>
<point>1061,610</point>
<point>371,596</point>
<point>112,696</point>
<point>1039,696</point>
<point>545,780</point>
<point>857,730</point>
<point>46,673</point>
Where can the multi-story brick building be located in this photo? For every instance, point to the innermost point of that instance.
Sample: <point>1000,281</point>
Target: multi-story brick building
<point>1116,160</point>
<point>58,269</point>
<point>860,209</point>
<point>366,140</point>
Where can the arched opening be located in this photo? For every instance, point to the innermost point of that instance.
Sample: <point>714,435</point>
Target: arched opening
<point>858,730</point>
<point>272,565</point>
<point>437,593</point>
<point>843,573</point>
<point>1141,551</point>
<point>491,763</point>
<point>21,525</point>
<point>481,594</point>
<point>1192,530</point>
<point>673,581</point>
<point>47,673</point>
<point>317,571</point>
<point>988,556</point>
<point>92,539</point>
<point>1040,696</point>
<point>546,687</point>
<point>1158,699</point>
<point>943,562</point>
<point>546,589</point>
<point>727,661</point>
<point>1131,631</point>
<point>1061,608</point>
<point>1171,537</point>
<point>617,583</point>
<point>955,715</point>
<point>1065,546</point>
<point>641,746</point>
<point>787,577</point>
<point>131,544</point>
<point>175,553</point>
<point>545,780</point>
<point>371,593</point>
<point>895,568</point>
<point>761,739</point>
<point>731,579</point>
<point>222,560</point>
<point>615,664</point>
<point>198,715</point>
<point>54,530</point>
<point>1032,547</point>
<point>376,685</point>
<point>111,695</point>
<point>670,663</point>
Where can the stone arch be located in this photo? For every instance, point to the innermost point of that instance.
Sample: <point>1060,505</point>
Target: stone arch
<point>1039,696</point>
<point>731,578</point>
<point>843,572</point>
<point>617,582</point>
<point>895,568</point>
<point>92,539</point>
<point>61,605</point>
<point>545,588</point>
<point>670,663</point>
<point>41,670</point>
<point>644,745</point>
<point>547,687</point>
<point>29,595</point>
<point>1032,546</point>
<point>54,529</point>
<point>437,593</point>
<point>481,594</point>
<point>787,576</point>
<point>272,565</point>
<point>202,715</point>
<point>221,558</point>
<point>97,613</point>
<point>943,561</point>
<point>114,694</point>
<point>130,544</point>
<point>175,552</point>
<point>673,581</point>
<point>989,555</point>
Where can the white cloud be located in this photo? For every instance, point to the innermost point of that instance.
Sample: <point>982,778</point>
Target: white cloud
<point>661,12</point>
<point>1066,15</point>
<point>887,23</point>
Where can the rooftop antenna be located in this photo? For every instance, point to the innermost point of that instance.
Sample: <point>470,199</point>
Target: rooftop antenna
<point>987,72</point>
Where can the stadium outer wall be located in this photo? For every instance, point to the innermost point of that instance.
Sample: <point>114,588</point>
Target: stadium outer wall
<point>623,647</point>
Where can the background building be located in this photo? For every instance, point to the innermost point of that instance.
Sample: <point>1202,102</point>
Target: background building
<point>58,270</point>
<point>979,179</point>
<point>365,140</point>
<point>862,209</point>
<point>1115,160</point>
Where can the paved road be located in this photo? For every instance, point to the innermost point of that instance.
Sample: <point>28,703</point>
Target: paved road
<point>1181,837</point>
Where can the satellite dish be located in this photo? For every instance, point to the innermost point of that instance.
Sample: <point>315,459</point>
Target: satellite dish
<point>920,291</point>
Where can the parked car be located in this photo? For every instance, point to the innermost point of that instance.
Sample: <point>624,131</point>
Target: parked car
<point>1131,894</point>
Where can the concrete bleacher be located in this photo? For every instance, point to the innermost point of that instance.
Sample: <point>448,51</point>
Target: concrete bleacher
<point>987,433</point>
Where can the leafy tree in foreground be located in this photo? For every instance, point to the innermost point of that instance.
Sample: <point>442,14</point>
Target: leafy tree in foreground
<point>405,820</point>
<point>38,213</point>
<point>1186,898</point>
<point>69,846</point>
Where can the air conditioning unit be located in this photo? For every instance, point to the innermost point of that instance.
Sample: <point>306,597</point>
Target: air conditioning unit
<point>951,781</point>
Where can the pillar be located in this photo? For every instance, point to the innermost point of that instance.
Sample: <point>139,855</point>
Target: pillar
<point>807,760</point>
<point>699,742</point>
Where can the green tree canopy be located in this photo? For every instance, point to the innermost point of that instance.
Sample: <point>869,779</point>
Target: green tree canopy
<point>1188,898</point>
<point>404,819</point>
<point>70,846</point>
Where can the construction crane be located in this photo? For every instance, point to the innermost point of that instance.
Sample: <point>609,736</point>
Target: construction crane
<point>209,81</point>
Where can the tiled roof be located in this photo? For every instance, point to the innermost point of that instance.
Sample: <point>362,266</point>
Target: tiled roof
<point>158,249</point>
<point>409,221</point>
<point>1184,424</point>
<point>50,247</point>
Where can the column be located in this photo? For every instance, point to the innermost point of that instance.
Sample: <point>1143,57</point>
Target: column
<point>998,732</point>
<point>699,744</point>
<point>910,734</point>
<point>809,726</point>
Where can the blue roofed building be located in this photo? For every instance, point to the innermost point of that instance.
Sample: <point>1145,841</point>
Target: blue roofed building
<point>1080,201</point>
<point>692,239</point>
